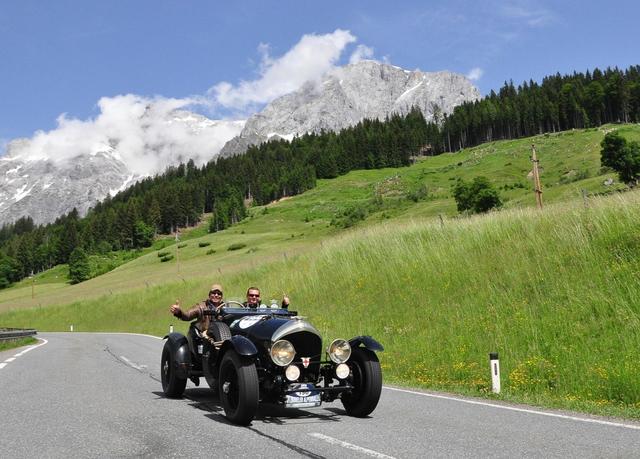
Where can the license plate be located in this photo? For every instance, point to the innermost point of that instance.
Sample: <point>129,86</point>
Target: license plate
<point>305,397</point>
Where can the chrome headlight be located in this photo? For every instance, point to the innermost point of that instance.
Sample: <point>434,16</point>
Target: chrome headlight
<point>339,351</point>
<point>342,371</point>
<point>292,373</point>
<point>282,352</point>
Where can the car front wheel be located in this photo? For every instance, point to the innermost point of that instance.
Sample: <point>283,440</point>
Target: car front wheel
<point>172,385</point>
<point>366,378</point>
<point>238,388</point>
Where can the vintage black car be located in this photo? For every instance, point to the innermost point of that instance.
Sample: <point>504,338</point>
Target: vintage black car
<point>272,355</point>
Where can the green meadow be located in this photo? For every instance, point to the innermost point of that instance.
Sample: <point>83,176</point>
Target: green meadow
<point>554,292</point>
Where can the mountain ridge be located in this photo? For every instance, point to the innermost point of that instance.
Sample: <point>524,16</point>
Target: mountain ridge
<point>349,94</point>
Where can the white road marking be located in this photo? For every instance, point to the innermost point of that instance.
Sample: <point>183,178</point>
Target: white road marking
<point>119,333</point>
<point>30,348</point>
<point>344,444</point>
<point>521,410</point>
<point>133,365</point>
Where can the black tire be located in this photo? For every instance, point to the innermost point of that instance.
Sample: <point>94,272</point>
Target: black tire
<point>172,385</point>
<point>219,331</point>
<point>238,388</point>
<point>366,378</point>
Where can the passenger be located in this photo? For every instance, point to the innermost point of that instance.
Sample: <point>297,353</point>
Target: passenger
<point>213,303</point>
<point>253,299</point>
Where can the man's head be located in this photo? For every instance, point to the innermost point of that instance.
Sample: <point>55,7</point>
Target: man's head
<point>253,296</point>
<point>215,293</point>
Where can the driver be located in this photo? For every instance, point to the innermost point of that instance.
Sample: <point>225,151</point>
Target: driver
<point>213,303</point>
<point>253,299</point>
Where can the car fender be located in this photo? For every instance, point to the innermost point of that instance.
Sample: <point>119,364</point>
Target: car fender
<point>368,342</point>
<point>179,347</point>
<point>242,345</point>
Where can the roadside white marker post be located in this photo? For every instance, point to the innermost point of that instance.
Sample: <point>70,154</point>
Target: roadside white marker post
<point>170,328</point>
<point>495,372</point>
<point>70,327</point>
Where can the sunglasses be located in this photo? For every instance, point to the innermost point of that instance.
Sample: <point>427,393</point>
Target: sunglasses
<point>215,292</point>
<point>254,294</point>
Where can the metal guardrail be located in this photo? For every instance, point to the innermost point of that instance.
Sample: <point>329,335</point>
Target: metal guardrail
<point>16,333</point>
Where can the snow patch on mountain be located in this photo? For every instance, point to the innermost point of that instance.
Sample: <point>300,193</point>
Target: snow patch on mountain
<point>347,95</point>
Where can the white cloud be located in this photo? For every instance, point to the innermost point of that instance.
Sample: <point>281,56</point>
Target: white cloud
<point>475,74</point>
<point>308,60</point>
<point>529,14</point>
<point>144,133</point>
<point>362,52</point>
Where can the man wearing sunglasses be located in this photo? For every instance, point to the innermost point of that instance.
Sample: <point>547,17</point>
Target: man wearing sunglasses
<point>253,299</point>
<point>213,303</point>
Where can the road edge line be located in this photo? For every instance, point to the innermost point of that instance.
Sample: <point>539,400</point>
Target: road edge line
<point>521,410</point>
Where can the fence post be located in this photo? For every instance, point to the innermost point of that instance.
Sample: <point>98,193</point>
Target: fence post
<point>495,372</point>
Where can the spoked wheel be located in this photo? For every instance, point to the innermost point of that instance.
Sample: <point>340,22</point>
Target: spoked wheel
<point>172,385</point>
<point>366,378</point>
<point>238,388</point>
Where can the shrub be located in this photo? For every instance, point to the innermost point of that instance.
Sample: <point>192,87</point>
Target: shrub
<point>418,194</point>
<point>211,251</point>
<point>204,244</point>
<point>621,156</point>
<point>477,196</point>
<point>162,254</point>
<point>166,258</point>
<point>182,245</point>
<point>350,217</point>
<point>237,246</point>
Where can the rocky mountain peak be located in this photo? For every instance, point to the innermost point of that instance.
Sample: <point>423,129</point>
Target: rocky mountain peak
<point>347,95</point>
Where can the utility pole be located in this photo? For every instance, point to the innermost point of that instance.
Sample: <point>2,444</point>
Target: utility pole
<point>536,177</point>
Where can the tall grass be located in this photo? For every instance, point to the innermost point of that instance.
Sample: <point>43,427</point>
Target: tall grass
<point>556,293</point>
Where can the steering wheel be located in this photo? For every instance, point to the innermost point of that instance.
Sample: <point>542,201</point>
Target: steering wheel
<point>232,304</point>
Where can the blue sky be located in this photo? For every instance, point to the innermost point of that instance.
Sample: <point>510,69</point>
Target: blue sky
<point>64,56</point>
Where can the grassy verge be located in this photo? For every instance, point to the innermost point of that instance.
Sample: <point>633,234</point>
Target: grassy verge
<point>556,293</point>
<point>11,344</point>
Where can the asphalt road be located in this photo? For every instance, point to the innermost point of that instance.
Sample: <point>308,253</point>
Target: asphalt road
<point>99,395</point>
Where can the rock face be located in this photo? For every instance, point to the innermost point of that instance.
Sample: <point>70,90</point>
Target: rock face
<point>349,94</point>
<point>44,190</point>
<point>45,187</point>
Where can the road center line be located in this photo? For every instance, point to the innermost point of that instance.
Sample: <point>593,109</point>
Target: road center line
<point>344,444</point>
<point>521,410</point>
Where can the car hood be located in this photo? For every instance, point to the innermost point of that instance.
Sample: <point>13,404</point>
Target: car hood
<point>265,327</point>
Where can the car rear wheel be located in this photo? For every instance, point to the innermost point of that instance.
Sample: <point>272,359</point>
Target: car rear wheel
<point>172,385</point>
<point>366,378</point>
<point>219,331</point>
<point>238,388</point>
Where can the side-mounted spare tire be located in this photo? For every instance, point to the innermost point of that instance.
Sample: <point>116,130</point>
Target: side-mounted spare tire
<point>238,388</point>
<point>366,378</point>
<point>172,384</point>
<point>219,331</point>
